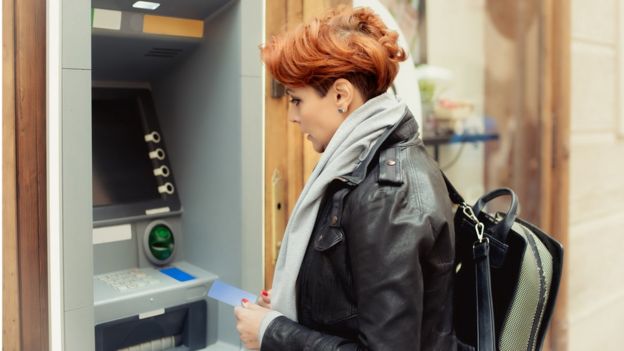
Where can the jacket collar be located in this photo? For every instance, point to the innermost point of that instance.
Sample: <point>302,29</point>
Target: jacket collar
<point>405,129</point>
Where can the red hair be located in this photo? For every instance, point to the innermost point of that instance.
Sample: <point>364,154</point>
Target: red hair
<point>353,44</point>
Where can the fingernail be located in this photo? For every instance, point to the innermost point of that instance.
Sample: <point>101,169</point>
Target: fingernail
<point>245,300</point>
<point>265,293</point>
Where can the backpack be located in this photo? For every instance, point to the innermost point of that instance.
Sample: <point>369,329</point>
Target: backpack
<point>507,277</point>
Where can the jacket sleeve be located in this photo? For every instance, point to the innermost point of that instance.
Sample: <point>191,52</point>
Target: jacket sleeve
<point>284,334</point>
<point>386,236</point>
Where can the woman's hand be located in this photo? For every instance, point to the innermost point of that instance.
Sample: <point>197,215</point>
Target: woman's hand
<point>265,299</point>
<point>248,319</point>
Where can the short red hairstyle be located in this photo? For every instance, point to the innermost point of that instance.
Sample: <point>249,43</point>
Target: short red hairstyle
<point>353,44</point>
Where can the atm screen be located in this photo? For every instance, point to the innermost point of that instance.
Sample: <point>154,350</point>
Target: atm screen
<point>132,176</point>
<point>122,170</point>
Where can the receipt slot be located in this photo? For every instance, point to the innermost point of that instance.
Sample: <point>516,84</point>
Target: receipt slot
<point>163,105</point>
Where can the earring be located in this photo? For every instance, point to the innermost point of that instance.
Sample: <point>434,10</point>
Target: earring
<point>341,110</point>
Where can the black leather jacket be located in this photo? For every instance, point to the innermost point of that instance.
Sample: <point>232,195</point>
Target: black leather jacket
<point>378,271</point>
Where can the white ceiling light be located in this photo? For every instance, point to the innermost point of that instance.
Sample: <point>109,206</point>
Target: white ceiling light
<point>146,5</point>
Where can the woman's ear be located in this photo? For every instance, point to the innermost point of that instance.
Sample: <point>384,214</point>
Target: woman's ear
<point>343,92</point>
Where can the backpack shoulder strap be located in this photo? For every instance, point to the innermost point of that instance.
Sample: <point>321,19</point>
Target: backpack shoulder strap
<point>456,198</point>
<point>486,335</point>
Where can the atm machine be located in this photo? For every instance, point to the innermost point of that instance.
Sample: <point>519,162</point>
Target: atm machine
<point>165,105</point>
<point>145,291</point>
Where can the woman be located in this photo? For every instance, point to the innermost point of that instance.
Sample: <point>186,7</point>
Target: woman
<point>367,257</point>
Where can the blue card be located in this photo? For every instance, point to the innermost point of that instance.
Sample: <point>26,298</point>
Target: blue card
<point>177,274</point>
<point>229,294</point>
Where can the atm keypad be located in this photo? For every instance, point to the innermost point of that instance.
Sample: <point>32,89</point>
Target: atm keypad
<point>128,280</point>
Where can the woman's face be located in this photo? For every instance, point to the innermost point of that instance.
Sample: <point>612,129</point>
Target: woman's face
<point>317,116</point>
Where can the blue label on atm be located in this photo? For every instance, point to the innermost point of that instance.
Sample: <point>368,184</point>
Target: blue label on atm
<point>177,274</point>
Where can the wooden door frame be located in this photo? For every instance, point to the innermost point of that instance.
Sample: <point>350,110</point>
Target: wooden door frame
<point>556,131</point>
<point>25,274</point>
<point>10,281</point>
<point>288,160</point>
<point>283,164</point>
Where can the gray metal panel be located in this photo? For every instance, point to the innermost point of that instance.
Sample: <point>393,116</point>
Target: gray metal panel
<point>252,29</point>
<point>115,256</point>
<point>252,184</point>
<point>76,34</point>
<point>200,108</point>
<point>77,190</point>
<point>79,330</point>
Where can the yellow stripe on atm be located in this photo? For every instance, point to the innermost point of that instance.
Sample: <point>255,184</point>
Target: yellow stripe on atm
<point>173,26</point>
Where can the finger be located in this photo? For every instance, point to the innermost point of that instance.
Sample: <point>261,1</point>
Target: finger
<point>247,304</point>
<point>238,310</point>
<point>264,304</point>
<point>266,297</point>
<point>253,306</point>
<point>263,298</point>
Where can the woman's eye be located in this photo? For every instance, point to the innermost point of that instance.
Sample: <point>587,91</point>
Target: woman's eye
<point>295,101</point>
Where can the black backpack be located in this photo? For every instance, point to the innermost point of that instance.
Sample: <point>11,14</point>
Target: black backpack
<point>507,277</point>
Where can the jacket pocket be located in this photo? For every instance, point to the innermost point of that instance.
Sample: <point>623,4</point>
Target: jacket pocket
<point>328,239</point>
<point>327,284</point>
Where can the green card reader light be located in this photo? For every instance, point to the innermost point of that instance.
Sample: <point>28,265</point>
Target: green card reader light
<point>159,243</point>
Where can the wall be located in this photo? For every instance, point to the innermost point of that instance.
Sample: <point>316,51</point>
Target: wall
<point>596,289</point>
<point>455,40</point>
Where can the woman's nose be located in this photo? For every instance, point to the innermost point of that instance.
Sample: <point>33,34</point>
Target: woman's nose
<point>292,116</point>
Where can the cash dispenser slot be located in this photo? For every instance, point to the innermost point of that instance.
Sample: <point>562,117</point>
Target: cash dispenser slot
<point>182,327</point>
